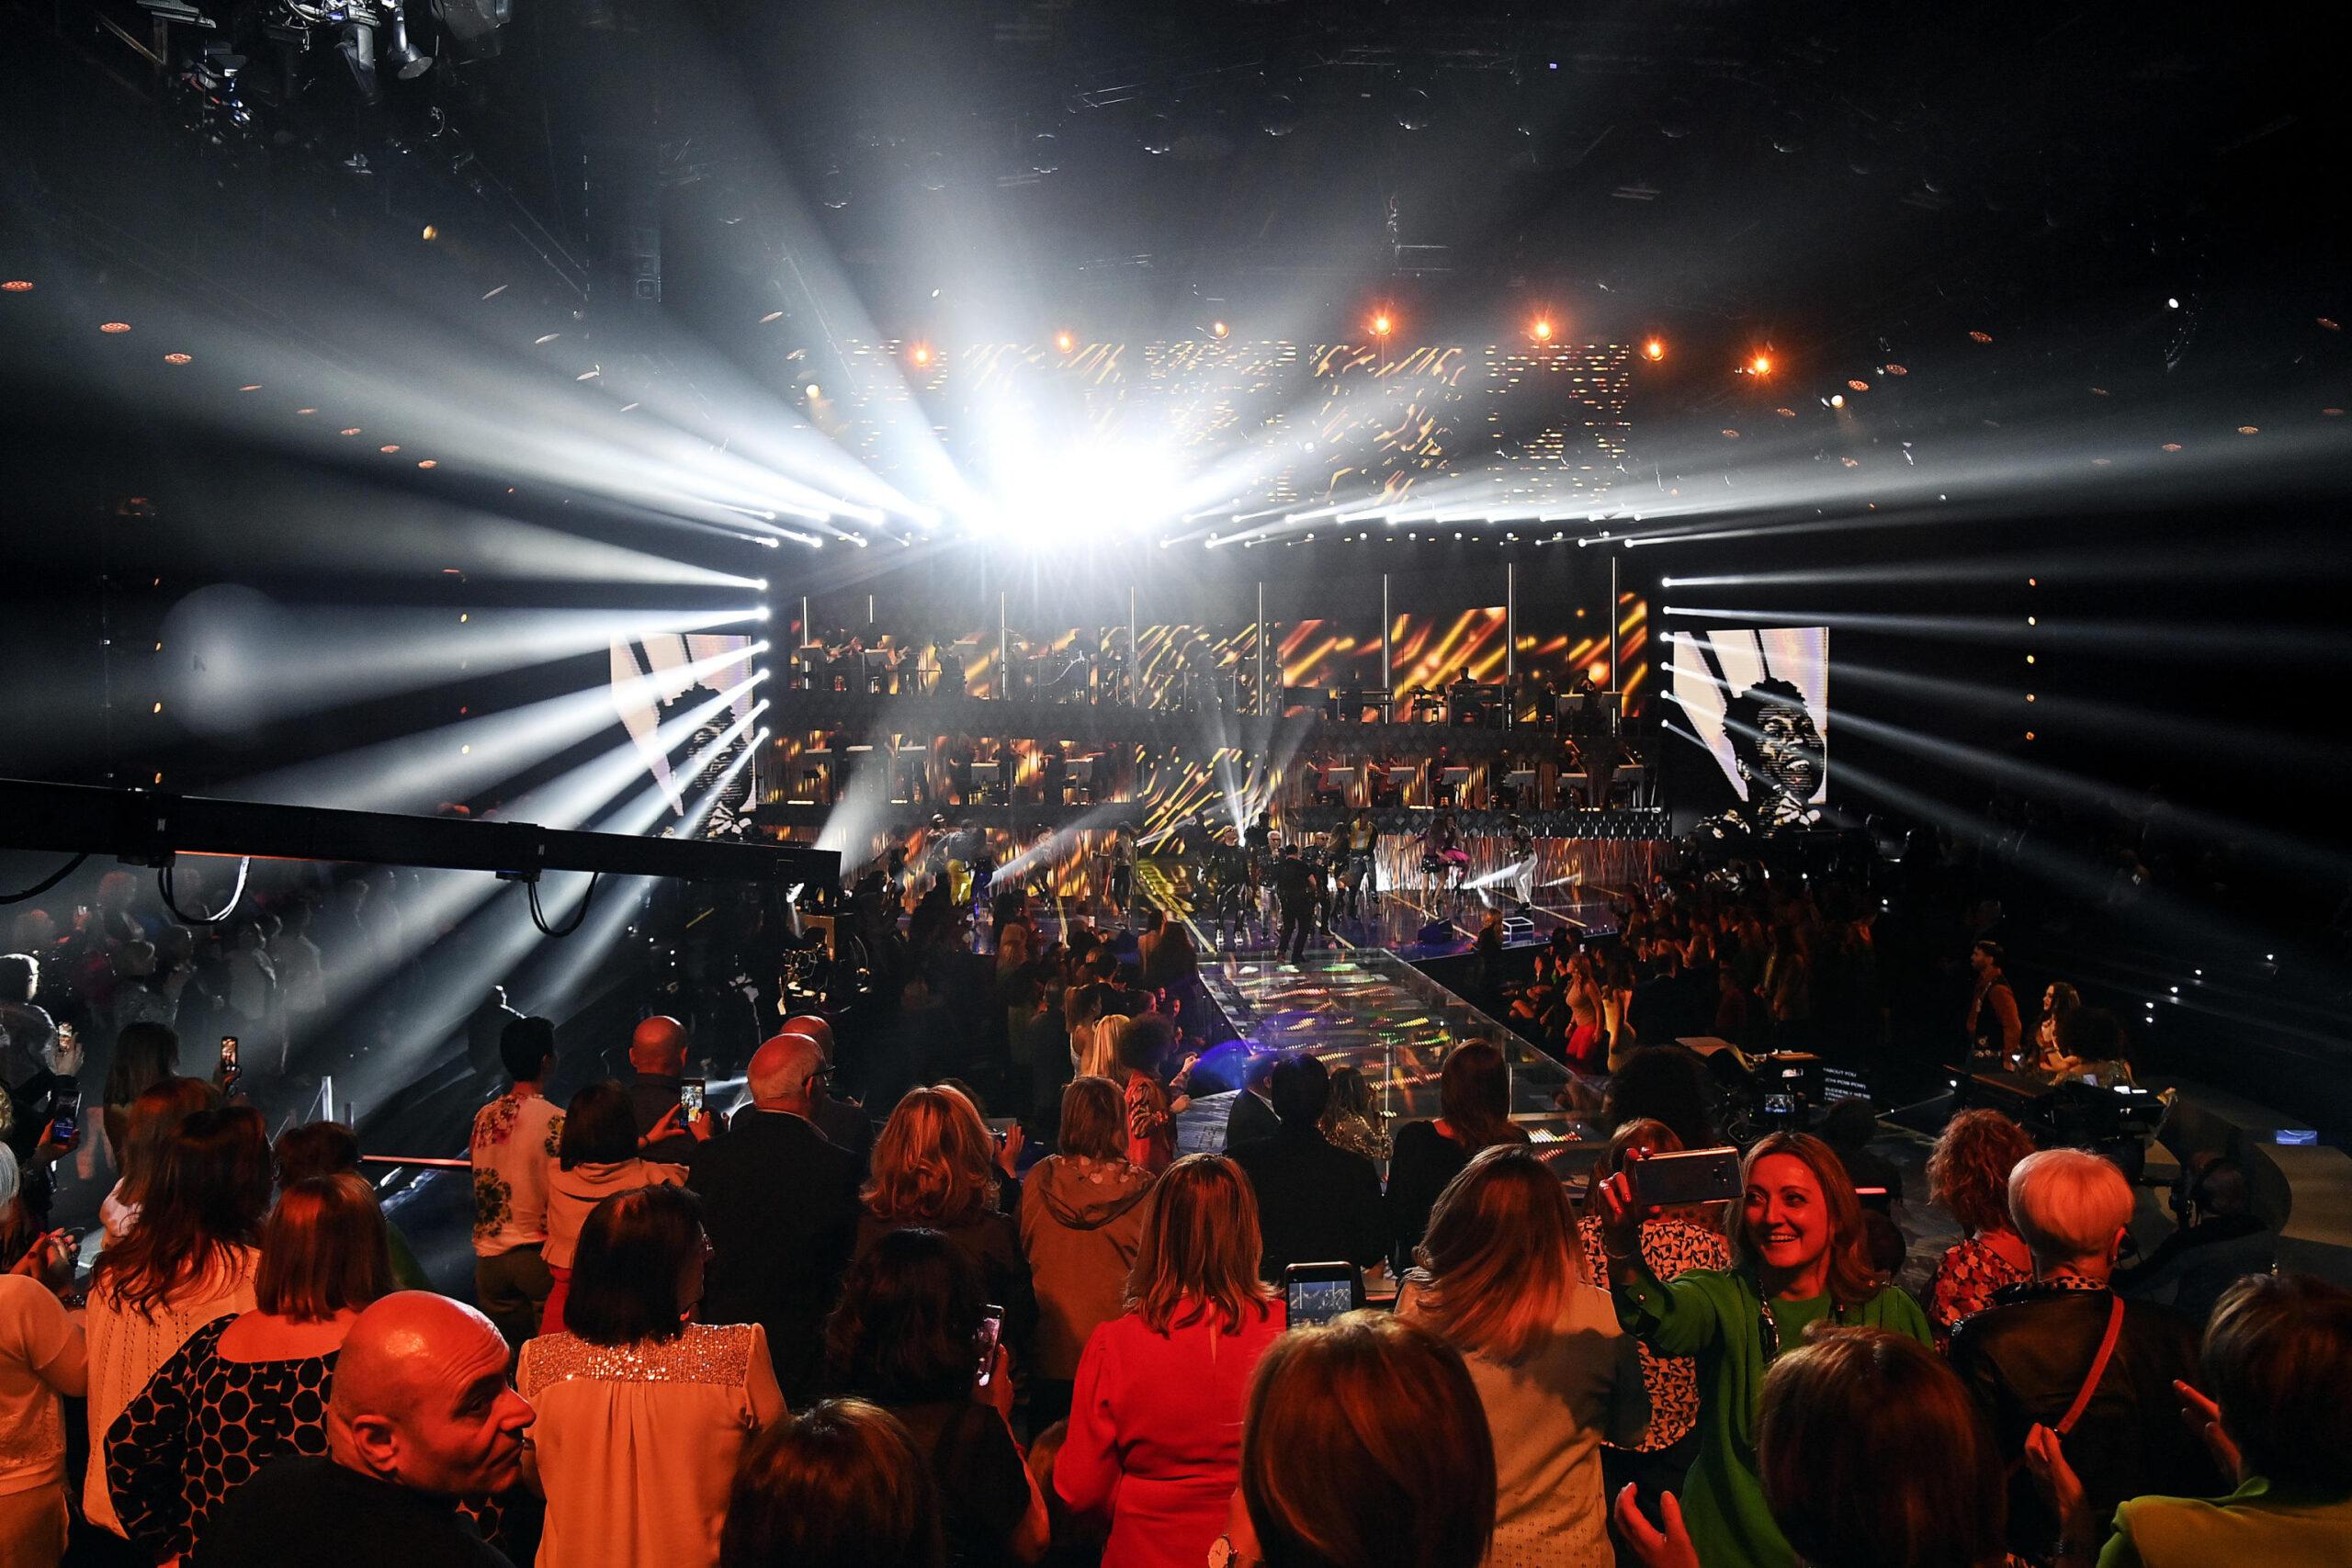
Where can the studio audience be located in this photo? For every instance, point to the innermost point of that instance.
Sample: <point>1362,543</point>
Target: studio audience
<point>641,1412</point>
<point>1081,1219</point>
<point>596,1157</point>
<point>1316,1202</point>
<point>839,1486</point>
<point>1155,1423</point>
<point>44,1362</point>
<point>1968,1173</point>
<point>513,1146</point>
<point>1474,1103</point>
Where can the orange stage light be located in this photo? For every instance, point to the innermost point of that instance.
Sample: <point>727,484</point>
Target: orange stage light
<point>1380,324</point>
<point>1654,350</point>
<point>1761,364</point>
<point>1543,331</point>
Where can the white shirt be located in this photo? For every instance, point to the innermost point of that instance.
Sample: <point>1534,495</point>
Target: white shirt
<point>512,1148</point>
<point>41,1357</point>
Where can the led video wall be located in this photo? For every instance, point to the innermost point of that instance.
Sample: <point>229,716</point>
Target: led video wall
<point>1758,700</point>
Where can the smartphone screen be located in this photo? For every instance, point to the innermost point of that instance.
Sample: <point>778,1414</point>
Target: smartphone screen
<point>228,1053</point>
<point>991,1328</point>
<point>1317,1293</point>
<point>66,1114</point>
<point>690,1099</point>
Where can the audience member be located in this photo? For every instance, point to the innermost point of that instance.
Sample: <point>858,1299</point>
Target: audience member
<point>656,1068</point>
<point>1474,1112</point>
<point>329,1148</point>
<point>419,1415</point>
<point>780,1205</point>
<point>933,1167</point>
<point>1155,1424</point>
<point>2064,1351</point>
<point>642,1413</point>
<point>153,1116</point>
<point>2218,1241</point>
<point>243,1389</point>
<point>1968,1175</point>
<point>843,1121</point>
<point>1872,1456</point>
<point>841,1486</point>
<point>1141,1049</point>
<point>1673,1242</point>
<point>1365,1447</point>
<point>596,1157</point>
<point>1251,1117</point>
<point>910,1313</point>
<point>1316,1202</point>
<point>1797,1258</point>
<point>1351,1120</point>
<point>1096,1049</point>
<point>1503,1279</point>
<point>190,1258</point>
<point>512,1147</point>
<point>42,1363</point>
<point>2278,1357</point>
<point>1081,1216</point>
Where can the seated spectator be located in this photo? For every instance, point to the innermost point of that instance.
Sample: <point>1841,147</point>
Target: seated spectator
<point>1351,1120</point>
<point>596,1157</point>
<point>656,1068</point>
<point>1968,1173</point>
<point>1474,1112</point>
<point>641,1414</point>
<point>153,1116</point>
<point>843,1121</point>
<point>1798,1259</point>
<point>1081,1216</point>
<point>1503,1279</point>
<point>1251,1117</point>
<point>841,1486</point>
<point>780,1205</point>
<point>903,1335</point>
<point>191,1258</point>
<point>1673,1242</point>
<point>1316,1202</point>
<point>2278,1357</point>
<point>1155,1424</point>
<point>419,1416</point>
<point>329,1148</point>
<point>42,1363</point>
<point>1872,1456</point>
<point>2218,1242</point>
<point>513,1146</point>
<point>2064,1351</point>
<point>1365,1448</point>
<point>246,1389</point>
<point>935,1166</point>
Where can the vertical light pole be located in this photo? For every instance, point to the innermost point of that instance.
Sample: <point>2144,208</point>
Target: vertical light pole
<point>1135,669</point>
<point>1262,651</point>
<point>1511,642</point>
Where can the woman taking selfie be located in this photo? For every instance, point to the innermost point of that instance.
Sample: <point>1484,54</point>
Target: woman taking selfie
<point>1798,1257</point>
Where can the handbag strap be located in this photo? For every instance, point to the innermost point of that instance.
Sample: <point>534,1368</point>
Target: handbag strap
<point>2098,1367</point>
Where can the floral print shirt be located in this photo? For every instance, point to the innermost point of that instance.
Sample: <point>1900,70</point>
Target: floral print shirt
<point>513,1146</point>
<point>1964,1282</point>
<point>1669,1246</point>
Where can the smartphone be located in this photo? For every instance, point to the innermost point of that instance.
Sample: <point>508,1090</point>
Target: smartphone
<point>1317,1293</point>
<point>228,1053</point>
<point>991,1329</point>
<point>65,1111</point>
<point>1696,1176</point>
<point>690,1099</point>
<point>998,1126</point>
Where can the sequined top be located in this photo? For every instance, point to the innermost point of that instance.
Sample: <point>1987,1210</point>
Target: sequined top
<point>635,1445</point>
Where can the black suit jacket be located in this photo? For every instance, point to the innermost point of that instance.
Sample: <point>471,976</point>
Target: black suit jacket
<point>780,1205</point>
<point>1316,1202</point>
<point>1249,1120</point>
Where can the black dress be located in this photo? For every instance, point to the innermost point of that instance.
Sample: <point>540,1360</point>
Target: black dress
<point>1423,1161</point>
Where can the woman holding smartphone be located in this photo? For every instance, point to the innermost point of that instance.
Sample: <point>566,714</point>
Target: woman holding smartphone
<point>1798,1256</point>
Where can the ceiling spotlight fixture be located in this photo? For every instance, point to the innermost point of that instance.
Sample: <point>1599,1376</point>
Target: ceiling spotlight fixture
<point>1761,365</point>
<point>16,286</point>
<point>815,391</point>
<point>179,359</point>
<point>432,233</point>
<point>921,354</point>
<point>1380,324</point>
<point>2172,302</point>
<point>1837,399</point>
<point>1065,342</point>
<point>1542,330</point>
<point>1218,329</point>
<point>1654,350</point>
<point>114,326</point>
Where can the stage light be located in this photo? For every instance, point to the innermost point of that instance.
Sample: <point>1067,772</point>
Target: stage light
<point>1380,324</point>
<point>1064,342</point>
<point>114,326</point>
<point>761,612</point>
<point>2172,303</point>
<point>1761,365</point>
<point>1218,329</point>
<point>1837,399</point>
<point>16,286</point>
<point>179,359</point>
<point>760,583</point>
<point>921,354</point>
<point>431,233</point>
<point>1542,330</point>
<point>1654,350</point>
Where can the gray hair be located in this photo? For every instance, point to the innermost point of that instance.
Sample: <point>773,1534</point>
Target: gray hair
<point>2068,1204</point>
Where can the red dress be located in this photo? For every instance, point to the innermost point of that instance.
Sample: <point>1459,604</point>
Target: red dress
<point>1155,1435</point>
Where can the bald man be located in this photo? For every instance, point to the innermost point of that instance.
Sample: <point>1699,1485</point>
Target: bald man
<point>421,1413</point>
<point>780,1207</point>
<point>843,1121</point>
<point>656,1060</point>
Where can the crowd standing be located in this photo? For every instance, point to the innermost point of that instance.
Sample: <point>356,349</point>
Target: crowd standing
<point>816,1330</point>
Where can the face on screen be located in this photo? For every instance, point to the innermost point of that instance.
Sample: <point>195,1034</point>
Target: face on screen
<point>1789,751</point>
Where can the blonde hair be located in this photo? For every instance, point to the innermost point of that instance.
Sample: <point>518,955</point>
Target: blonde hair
<point>2068,1204</point>
<point>933,1163</point>
<point>1501,1255</point>
<point>1098,1054</point>
<point>1199,1250</point>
